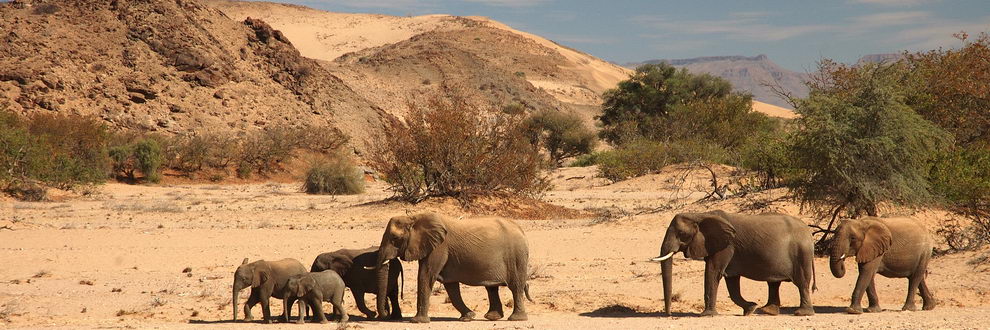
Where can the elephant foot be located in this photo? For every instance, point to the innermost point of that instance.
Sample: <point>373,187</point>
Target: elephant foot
<point>395,316</point>
<point>709,312</point>
<point>518,316</point>
<point>370,315</point>
<point>910,307</point>
<point>420,319</point>
<point>493,315</point>
<point>344,318</point>
<point>805,311</point>
<point>854,310</point>
<point>300,321</point>
<point>928,306</point>
<point>874,309</point>
<point>248,318</point>
<point>748,308</point>
<point>324,321</point>
<point>769,309</point>
<point>467,317</point>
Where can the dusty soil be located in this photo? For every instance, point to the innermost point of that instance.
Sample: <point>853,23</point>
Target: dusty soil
<point>116,259</point>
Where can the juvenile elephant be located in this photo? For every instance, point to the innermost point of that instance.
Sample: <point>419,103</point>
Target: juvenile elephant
<point>351,265</point>
<point>489,252</point>
<point>267,279</point>
<point>313,289</point>
<point>892,247</point>
<point>767,247</point>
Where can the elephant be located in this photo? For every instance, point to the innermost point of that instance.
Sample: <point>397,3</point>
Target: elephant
<point>313,289</point>
<point>350,265</point>
<point>489,252</point>
<point>267,279</point>
<point>892,247</point>
<point>767,247</point>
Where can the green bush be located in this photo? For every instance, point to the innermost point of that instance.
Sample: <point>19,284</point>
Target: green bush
<point>587,159</point>
<point>962,176</point>
<point>635,158</point>
<point>561,134</point>
<point>639,107</point>
<point>57,150</point>
<point>769,156</point>
<point>858,144</point>
<point>334,176</point>
<point>143,154</point>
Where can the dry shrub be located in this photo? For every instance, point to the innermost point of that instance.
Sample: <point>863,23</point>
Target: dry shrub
<point>451,147</point>
<point>333,176</point>
<point>970,232</point>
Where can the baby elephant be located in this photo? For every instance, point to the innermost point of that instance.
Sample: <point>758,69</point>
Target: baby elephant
<point>313,289</point>
<point>892,247</point>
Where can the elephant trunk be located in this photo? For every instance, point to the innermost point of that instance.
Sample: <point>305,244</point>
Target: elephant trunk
<point>237,290</point>
<point>666,258</point>
<point>837,266</point>
<point>665,267</point>
<point>386,253</point>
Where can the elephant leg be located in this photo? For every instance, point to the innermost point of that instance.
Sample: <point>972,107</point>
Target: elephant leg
<point>773,299</point>
<point>872,298</point>
<point>913,281</point>
<point>714,268</point>
<point>286,306</point>
<point>926,295</point>
<point>252,300</point>
<point>393,297</point>
<point>732,284</point>
<point>803,279</point>
<point>429,271</point>
<point>265,296</point>
<point>361,306</point>
<point>338,307</point>
<point>518,288</point>
<point>302,310</point>
<point>494,304</point>
<point>454,292</point>
<point>317,306</point>
<point>866,273</point>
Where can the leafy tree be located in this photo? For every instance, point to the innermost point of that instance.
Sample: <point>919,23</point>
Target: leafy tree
<point>562,134</point>
<point>639,105</point>
<point>858,143</point>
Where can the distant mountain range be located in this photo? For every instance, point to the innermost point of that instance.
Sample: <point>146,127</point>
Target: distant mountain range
<point>750,74</point>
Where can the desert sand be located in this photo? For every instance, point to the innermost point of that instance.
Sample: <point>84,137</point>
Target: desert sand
<point>116,259</point>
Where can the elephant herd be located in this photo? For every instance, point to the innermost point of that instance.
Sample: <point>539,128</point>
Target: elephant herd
<point>493,252</point>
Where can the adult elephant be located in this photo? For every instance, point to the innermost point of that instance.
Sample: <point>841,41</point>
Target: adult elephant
<point>767,247</point>
<point>892,247</point>
<point>351,265</point>
<point>489,252</point>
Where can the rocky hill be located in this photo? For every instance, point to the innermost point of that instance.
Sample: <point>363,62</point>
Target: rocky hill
<point>749,74</point>
<point>390,59</point>
<point>168,65</point>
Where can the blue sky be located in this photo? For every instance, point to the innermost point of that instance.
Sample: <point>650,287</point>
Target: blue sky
<point>793,33</point>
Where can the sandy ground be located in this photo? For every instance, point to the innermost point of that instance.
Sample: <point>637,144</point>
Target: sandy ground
<point>116,260</point>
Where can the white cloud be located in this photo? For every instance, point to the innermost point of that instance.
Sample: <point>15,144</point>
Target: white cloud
<point>751,29</point>
<point>896,18</point>
<point>939,33</point>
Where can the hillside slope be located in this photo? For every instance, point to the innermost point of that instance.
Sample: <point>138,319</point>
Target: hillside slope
<point>170,66</point>
<point>749,74</point>
<point>391,59</point>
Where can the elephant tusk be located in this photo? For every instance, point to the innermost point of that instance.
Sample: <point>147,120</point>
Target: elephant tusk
<point>385,262</point>
<point>369,268</point>
<point>663,257</point>
<point>843,257</point>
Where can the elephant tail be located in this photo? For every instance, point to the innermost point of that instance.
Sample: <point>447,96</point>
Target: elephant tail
<point>527,293</point>
<point>814,280</point>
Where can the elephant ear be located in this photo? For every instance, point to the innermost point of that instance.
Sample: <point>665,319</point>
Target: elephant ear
<point>713,234</point>
<point>261,275</point>
<point>876,241</point>
<point>341,264</point>
<point>425,234</point>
